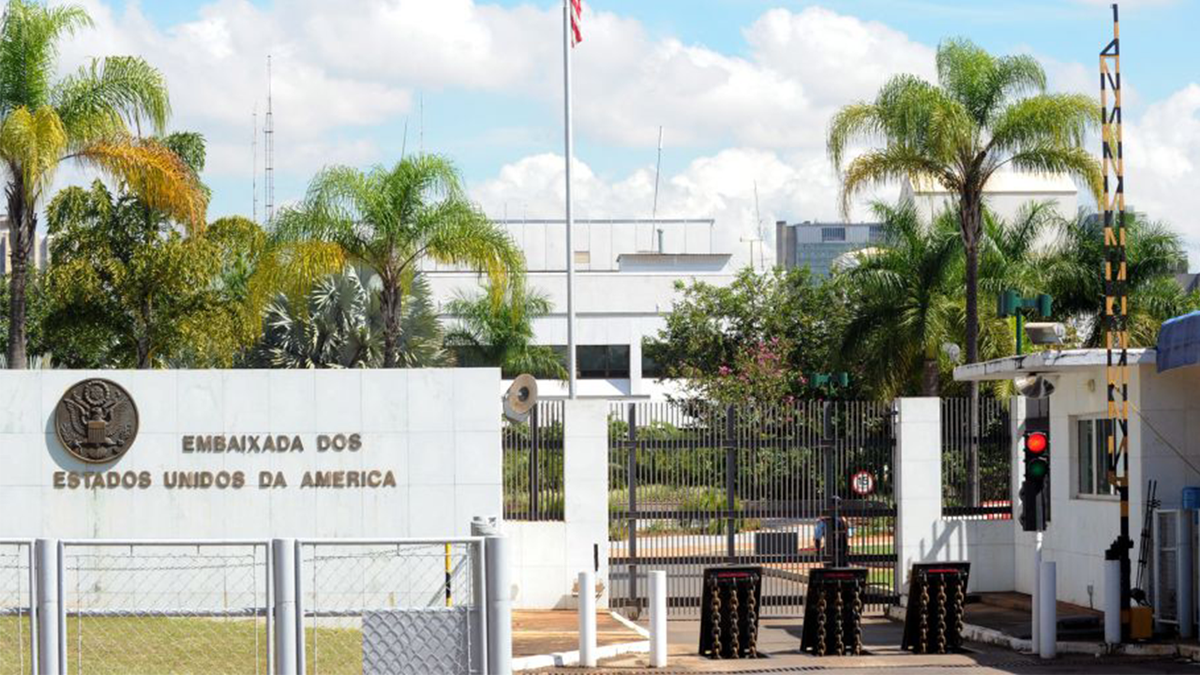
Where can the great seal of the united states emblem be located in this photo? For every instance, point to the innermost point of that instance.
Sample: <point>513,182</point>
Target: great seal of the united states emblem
<point>96,420</point>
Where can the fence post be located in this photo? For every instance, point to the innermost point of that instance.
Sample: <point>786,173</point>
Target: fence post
<point>631,483</point>
<point>731,484</point>
<point>287,643</point>
<point>535,483</point>
<point>496,596</point>
<point>49,607</point>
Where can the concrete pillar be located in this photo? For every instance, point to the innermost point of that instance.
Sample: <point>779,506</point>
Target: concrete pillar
<point>49,608</point>
<point>635,363</point>
<point>585,482</point>
<point>918,482</point>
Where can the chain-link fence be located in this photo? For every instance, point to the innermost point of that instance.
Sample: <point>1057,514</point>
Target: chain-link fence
<point>392,607</point>
<point>16,607</point>
<point>166,607</point>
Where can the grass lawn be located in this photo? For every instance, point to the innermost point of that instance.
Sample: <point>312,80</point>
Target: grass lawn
<point>179,646</point>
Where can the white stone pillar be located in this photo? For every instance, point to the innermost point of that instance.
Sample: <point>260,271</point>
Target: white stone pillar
<point>635,363</point>
<point>585,482</point>
<point>918,482</point>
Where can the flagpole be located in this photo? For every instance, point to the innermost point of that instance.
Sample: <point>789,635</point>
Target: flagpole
<point>570,222</point>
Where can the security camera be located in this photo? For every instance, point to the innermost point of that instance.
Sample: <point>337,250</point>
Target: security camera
<point>1048,333</point>
<point>1034,386</point>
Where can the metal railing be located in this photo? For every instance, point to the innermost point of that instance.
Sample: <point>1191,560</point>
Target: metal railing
<point>18,632</point>
<point>167,606</point>
<point>533,464</point>
<point>392,606</point>
<point>994,458</point>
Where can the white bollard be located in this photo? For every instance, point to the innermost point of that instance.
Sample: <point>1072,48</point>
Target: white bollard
<point>658,619</point>
<point>1035,598</point>
<point>1048,619</point>
<point>283,554</point>
<point>48,596</point>
<point>587,619</point>
<point>1112,602</point>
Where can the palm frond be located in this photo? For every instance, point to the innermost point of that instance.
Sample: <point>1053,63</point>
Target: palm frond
<point>153,172</point>
<point>102,99</point>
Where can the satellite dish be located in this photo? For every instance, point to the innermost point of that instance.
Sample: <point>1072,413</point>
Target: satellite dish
<point>520,398</point>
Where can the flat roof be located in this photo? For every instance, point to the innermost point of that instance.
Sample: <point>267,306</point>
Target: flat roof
<point>1050,361</point>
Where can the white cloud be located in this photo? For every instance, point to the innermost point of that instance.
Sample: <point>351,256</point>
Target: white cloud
<point>1162,156</point>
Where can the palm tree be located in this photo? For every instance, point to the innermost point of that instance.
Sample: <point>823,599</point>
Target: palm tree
<point>1155,253</point>
<point>501,334</point>
<point>84,116</point>
<point>391,219</point>
<point>341,326</point>
<point>977,119</point>
<point>903,302</point>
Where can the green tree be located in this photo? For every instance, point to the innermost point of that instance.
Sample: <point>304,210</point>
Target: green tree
<point>127,287</point>
<point>985,112</point>
<point>341,326</point>
<point>391,219</point>
<point>501,334</point>
<point>787,317</point>
<point>903,303</point>
<point>1154,254</point>
<point>85,117</point>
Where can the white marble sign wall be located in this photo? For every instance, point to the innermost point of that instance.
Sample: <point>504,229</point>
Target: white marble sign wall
<point>397,453</point>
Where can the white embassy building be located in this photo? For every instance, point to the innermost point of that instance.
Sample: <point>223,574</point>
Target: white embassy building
<point>626,273</point>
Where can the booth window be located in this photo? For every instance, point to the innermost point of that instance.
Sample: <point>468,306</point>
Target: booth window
<point>603,362</point>
<point>1091,457</point>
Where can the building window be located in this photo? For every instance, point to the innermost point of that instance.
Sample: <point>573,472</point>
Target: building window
<point>833,234</point>
<point>602,362</point>
<point>1091,457</point>
<point>875,234</point>
<point>651,370</point>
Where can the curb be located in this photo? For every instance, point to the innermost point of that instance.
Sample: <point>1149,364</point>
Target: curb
<point>991,636</point>
<point>571,658</point>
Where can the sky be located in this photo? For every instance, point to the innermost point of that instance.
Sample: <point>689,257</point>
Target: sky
<point>743,89</point>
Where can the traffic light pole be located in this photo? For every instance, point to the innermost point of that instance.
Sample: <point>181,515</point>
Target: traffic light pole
<point>1036,598</point>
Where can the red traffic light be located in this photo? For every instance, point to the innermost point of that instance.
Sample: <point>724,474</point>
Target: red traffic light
<point>1036,442</point>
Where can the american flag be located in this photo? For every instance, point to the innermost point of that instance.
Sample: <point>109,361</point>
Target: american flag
<point>576,11</point>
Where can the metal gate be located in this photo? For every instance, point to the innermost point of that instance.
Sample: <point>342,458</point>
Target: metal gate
<point>695,486</point>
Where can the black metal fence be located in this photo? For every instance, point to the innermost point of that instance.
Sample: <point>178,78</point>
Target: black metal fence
<point>533,464</point>
<point>994,498</point>
<point>696,486</point>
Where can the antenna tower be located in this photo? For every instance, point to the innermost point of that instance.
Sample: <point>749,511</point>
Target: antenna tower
<point>254,162</point>
<point>269,142</point>
<point>1116,304</point>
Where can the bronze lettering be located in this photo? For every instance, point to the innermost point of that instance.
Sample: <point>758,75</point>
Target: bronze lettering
<point>204,444</point>
<point>389,480</point>
<point>143,480</point>
<point>307,481</point>
<point>297,444</point>
<point>189,443</point>
<point>352,479</point>
<point>60,480</point>
<point>73,480</point>
<point>322,443</point>
<point>355,442</point>
<point>252,444</point>
<point>373,479</point>
<point>339,479</point>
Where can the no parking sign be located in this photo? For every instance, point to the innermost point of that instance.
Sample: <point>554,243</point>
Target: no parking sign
<point>863,483</point>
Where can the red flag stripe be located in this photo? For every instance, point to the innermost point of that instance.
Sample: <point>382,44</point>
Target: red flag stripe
<point>576,11</point>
